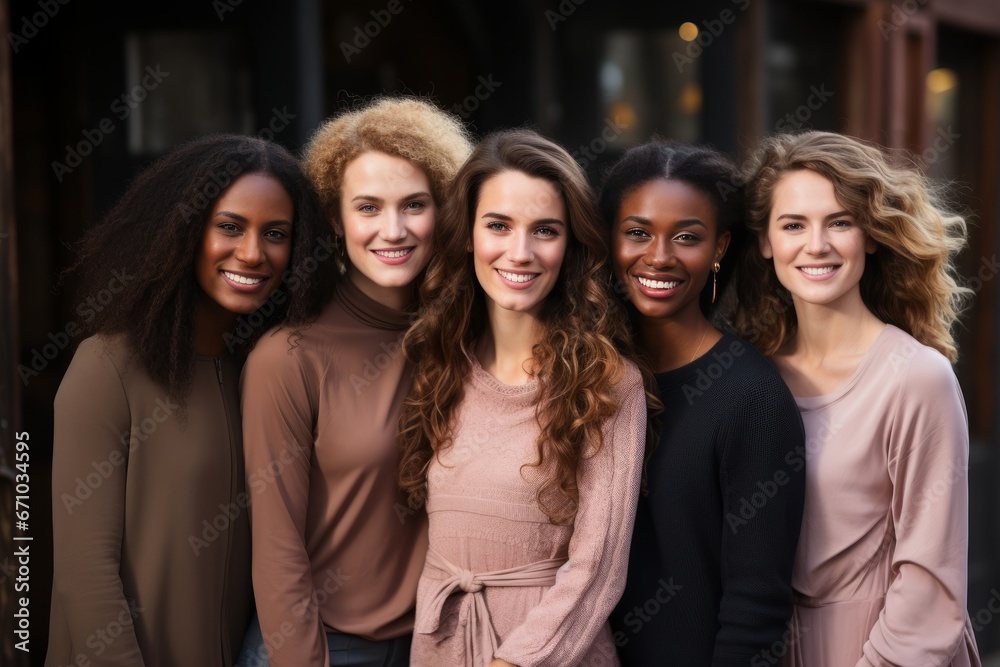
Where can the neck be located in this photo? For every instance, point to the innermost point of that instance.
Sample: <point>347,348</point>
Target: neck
<point>211,323</point>
<point>397,298</point>
<point>672,342</point>
<point>824,330</point>
<point>505,348</point>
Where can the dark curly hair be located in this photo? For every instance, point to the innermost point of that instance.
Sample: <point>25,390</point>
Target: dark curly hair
<point>703,168</point>
<point>152,236</point>
<point>579,357</point>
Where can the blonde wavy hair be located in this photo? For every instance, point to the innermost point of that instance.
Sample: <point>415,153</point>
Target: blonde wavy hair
<point>910,281</point>
<point>579,357</point>
<point>406,127</point>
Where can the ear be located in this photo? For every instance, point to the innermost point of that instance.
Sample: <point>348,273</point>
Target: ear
<point>721,245</point>
<point>870,245</point>
<point>765,247</point>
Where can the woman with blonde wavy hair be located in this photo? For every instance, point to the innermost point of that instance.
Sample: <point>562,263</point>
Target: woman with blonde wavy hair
<point>335,560</point>
<point>525,428</point>
<point>863,248</point>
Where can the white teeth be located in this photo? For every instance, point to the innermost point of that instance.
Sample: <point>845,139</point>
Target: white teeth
<point>242,280</point>
<point>517,277</point>
<point>817,271</point>
<point>658,284</point>
<point>392,254</point>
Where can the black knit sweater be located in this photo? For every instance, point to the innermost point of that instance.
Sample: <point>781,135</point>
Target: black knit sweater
<point>711,561</point>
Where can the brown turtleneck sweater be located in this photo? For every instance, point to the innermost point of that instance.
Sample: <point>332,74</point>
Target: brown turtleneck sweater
<point>335,547</point>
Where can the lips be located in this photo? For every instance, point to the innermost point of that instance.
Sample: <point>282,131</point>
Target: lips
<point>658,284</point>
<point>244,280</point>
<point>393,256</point>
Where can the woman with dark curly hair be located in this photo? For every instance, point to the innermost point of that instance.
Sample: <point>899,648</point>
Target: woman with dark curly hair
<point>525,428</point>
<point>864,248</point>
<point>151,535</point>
<point>336,552</point>
<point>715,537</point>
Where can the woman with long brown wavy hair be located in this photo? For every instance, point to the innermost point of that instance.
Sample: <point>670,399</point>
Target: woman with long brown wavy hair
<point>525,427</point>
<point>863,248</point>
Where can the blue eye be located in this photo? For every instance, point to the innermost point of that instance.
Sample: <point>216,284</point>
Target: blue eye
<point>496,226</point>
<point>368,208</point>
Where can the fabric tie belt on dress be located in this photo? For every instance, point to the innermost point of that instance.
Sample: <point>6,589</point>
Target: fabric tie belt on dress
<point>479,632</point>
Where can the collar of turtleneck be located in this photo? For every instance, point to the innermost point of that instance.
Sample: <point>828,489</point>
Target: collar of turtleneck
<point>369,312</point>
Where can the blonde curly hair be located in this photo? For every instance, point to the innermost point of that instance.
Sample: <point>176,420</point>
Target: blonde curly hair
<point>407,127</point>
<point>910,281</point>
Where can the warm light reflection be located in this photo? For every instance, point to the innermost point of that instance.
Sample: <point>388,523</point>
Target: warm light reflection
<point>941,80</point>
<point>623,114</point>
<point>690,99</point>
<point>688,31</point>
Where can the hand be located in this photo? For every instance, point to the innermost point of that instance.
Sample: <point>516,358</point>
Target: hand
<point>497,662</point>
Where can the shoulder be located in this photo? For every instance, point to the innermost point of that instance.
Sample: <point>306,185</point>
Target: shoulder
<point>922,378</point>
<point>629,383</point>
<point>916,364</point>
<point>101,352</point>
<point>747,375</point>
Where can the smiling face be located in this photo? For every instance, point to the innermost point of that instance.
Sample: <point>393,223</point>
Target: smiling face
<point>664,245</point>
<point>387,213</point>
<point>816,244</point>
<point>247,244</point>
<point>519,239</point>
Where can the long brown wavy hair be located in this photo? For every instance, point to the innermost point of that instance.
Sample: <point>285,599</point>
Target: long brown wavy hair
<point>579,357</point>
<point>910,281</point>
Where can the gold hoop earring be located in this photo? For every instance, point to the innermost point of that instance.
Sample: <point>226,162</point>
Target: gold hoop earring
<point>715,273</point>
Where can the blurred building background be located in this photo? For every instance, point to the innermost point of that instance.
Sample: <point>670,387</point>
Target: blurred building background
<point>90,92</point>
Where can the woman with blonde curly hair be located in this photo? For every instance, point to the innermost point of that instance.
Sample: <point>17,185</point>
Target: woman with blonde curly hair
<point>862,248</point>
<point>525,428</point>
<point>336,560</point>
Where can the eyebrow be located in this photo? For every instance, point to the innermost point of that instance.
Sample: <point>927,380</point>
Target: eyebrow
<point>376,198</point>
<point>798,216</point>
<point>240,218</point>
<point>506,218</point>
<point>686,222</point>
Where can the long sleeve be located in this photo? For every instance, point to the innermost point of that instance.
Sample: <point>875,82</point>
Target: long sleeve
<point>89,464</point>
<point>763,484</point>
<point>923,620</point>
<point>278,397</point>
<point>571,613</point>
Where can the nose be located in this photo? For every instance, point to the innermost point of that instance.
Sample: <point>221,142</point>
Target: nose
<point>817,242</point>
<point>249,251</point>
<point>659,254</point>
<point>392,228</point>
<point>521,249</point>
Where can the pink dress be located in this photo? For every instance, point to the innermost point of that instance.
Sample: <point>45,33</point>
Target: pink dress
<point>880,574</point>
<point>500,579</point>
